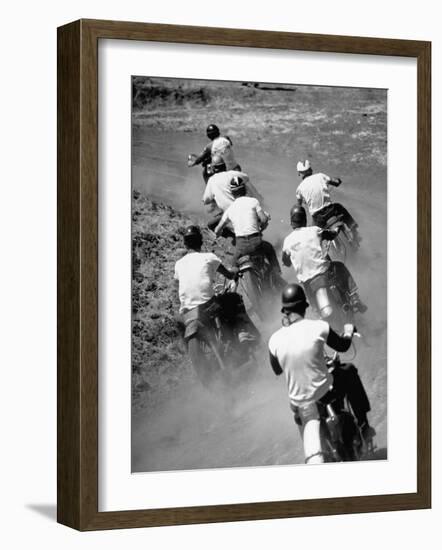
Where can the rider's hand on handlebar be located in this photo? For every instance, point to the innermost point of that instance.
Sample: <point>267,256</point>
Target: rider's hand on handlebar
<point>349,330</point>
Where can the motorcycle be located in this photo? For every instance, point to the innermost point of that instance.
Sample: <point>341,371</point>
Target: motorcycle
<point>341,438</point>
<point>206,165</point>
<point>260,283</point>
<point>220,336</point>
<point>329,298</point>
<point>345,243</point>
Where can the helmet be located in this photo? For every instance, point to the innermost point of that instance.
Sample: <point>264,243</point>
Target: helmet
<point>298,216</point>
<point>303,166</point>
<point>237,186</point>
<point>193,237</point>
<point>212,131</point>
<point>293,298</point>
<point>218,164</point>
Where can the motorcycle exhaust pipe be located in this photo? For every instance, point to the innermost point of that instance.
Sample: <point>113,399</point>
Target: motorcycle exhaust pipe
<point>323,302</point>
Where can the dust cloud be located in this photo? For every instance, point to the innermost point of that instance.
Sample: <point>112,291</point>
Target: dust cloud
<point>249,423</point>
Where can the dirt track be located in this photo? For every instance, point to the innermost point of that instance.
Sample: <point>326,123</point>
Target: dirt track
<point>253,425</point>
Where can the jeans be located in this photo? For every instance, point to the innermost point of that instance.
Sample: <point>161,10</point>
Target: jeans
<point>253,244</point>
<point>337,272</point>
<point>250,244</point>
<point>322,216</point>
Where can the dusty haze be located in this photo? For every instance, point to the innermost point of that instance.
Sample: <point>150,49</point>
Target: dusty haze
<point>343,133</point>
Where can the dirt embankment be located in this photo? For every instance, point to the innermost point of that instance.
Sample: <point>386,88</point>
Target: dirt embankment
<point>159,359</point>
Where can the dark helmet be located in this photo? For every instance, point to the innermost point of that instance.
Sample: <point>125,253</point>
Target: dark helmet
<point>212,131</point>
<point>293,299</point>
<point>298,216</point>
<point>218,164</point>
<point>193,237</point>
<point>237,186</point>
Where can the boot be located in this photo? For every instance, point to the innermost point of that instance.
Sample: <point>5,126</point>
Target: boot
<point>357,304</point>
<point>367,432</point>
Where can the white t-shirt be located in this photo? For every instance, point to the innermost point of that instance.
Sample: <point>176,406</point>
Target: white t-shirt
<point>196,273</point>
<point>221,146</point>
<point>243,215</point>
<point>314,191</point>
<point>299,349</point>
<point>304,247</point>
<point>218,188</point>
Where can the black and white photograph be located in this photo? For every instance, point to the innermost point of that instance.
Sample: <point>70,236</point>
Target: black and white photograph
<point>259,274</point>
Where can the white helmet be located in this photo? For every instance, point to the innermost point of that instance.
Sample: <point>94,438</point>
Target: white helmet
<point>303,166</point>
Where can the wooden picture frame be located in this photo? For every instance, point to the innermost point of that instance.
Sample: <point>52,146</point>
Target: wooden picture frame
<point>77,461</point>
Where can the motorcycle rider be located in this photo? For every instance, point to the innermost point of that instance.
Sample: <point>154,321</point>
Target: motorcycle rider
<point>313,268</point>
<point>195,273</point>
<point>218,193</point>
<point>248,220</point>
<point>219,146</point>
<point>315,193</point>
<point>297,350</point>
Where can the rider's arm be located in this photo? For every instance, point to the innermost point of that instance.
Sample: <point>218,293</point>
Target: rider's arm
<point>228,273</point>
<point>208,195</point>
<point>221,224</point>
<point>263,217</point>
<point>274,363</point>
<point>286,260</point>
<point>204,155</point>
<point>299,199</point>
<point>336,182</point>
<point>251,189</point>
<point>338,343</point>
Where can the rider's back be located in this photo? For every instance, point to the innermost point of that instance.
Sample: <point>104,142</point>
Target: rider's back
<point>218,187</point>
<point>222,146</point>
<point>195,273</point>
<point>306,253</point>
<point>299,349</point>
<point>243,215</point>
<point>314,191</point>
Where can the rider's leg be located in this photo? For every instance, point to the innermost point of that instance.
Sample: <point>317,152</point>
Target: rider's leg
<point>307,418</point>
<point>246,245</point>
<point>312,443</point>
<point>347,218</point>
<point>321,216</point>
<point>345,280</point>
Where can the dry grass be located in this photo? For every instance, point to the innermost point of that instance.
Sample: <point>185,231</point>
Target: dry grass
<point>320,122</point>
